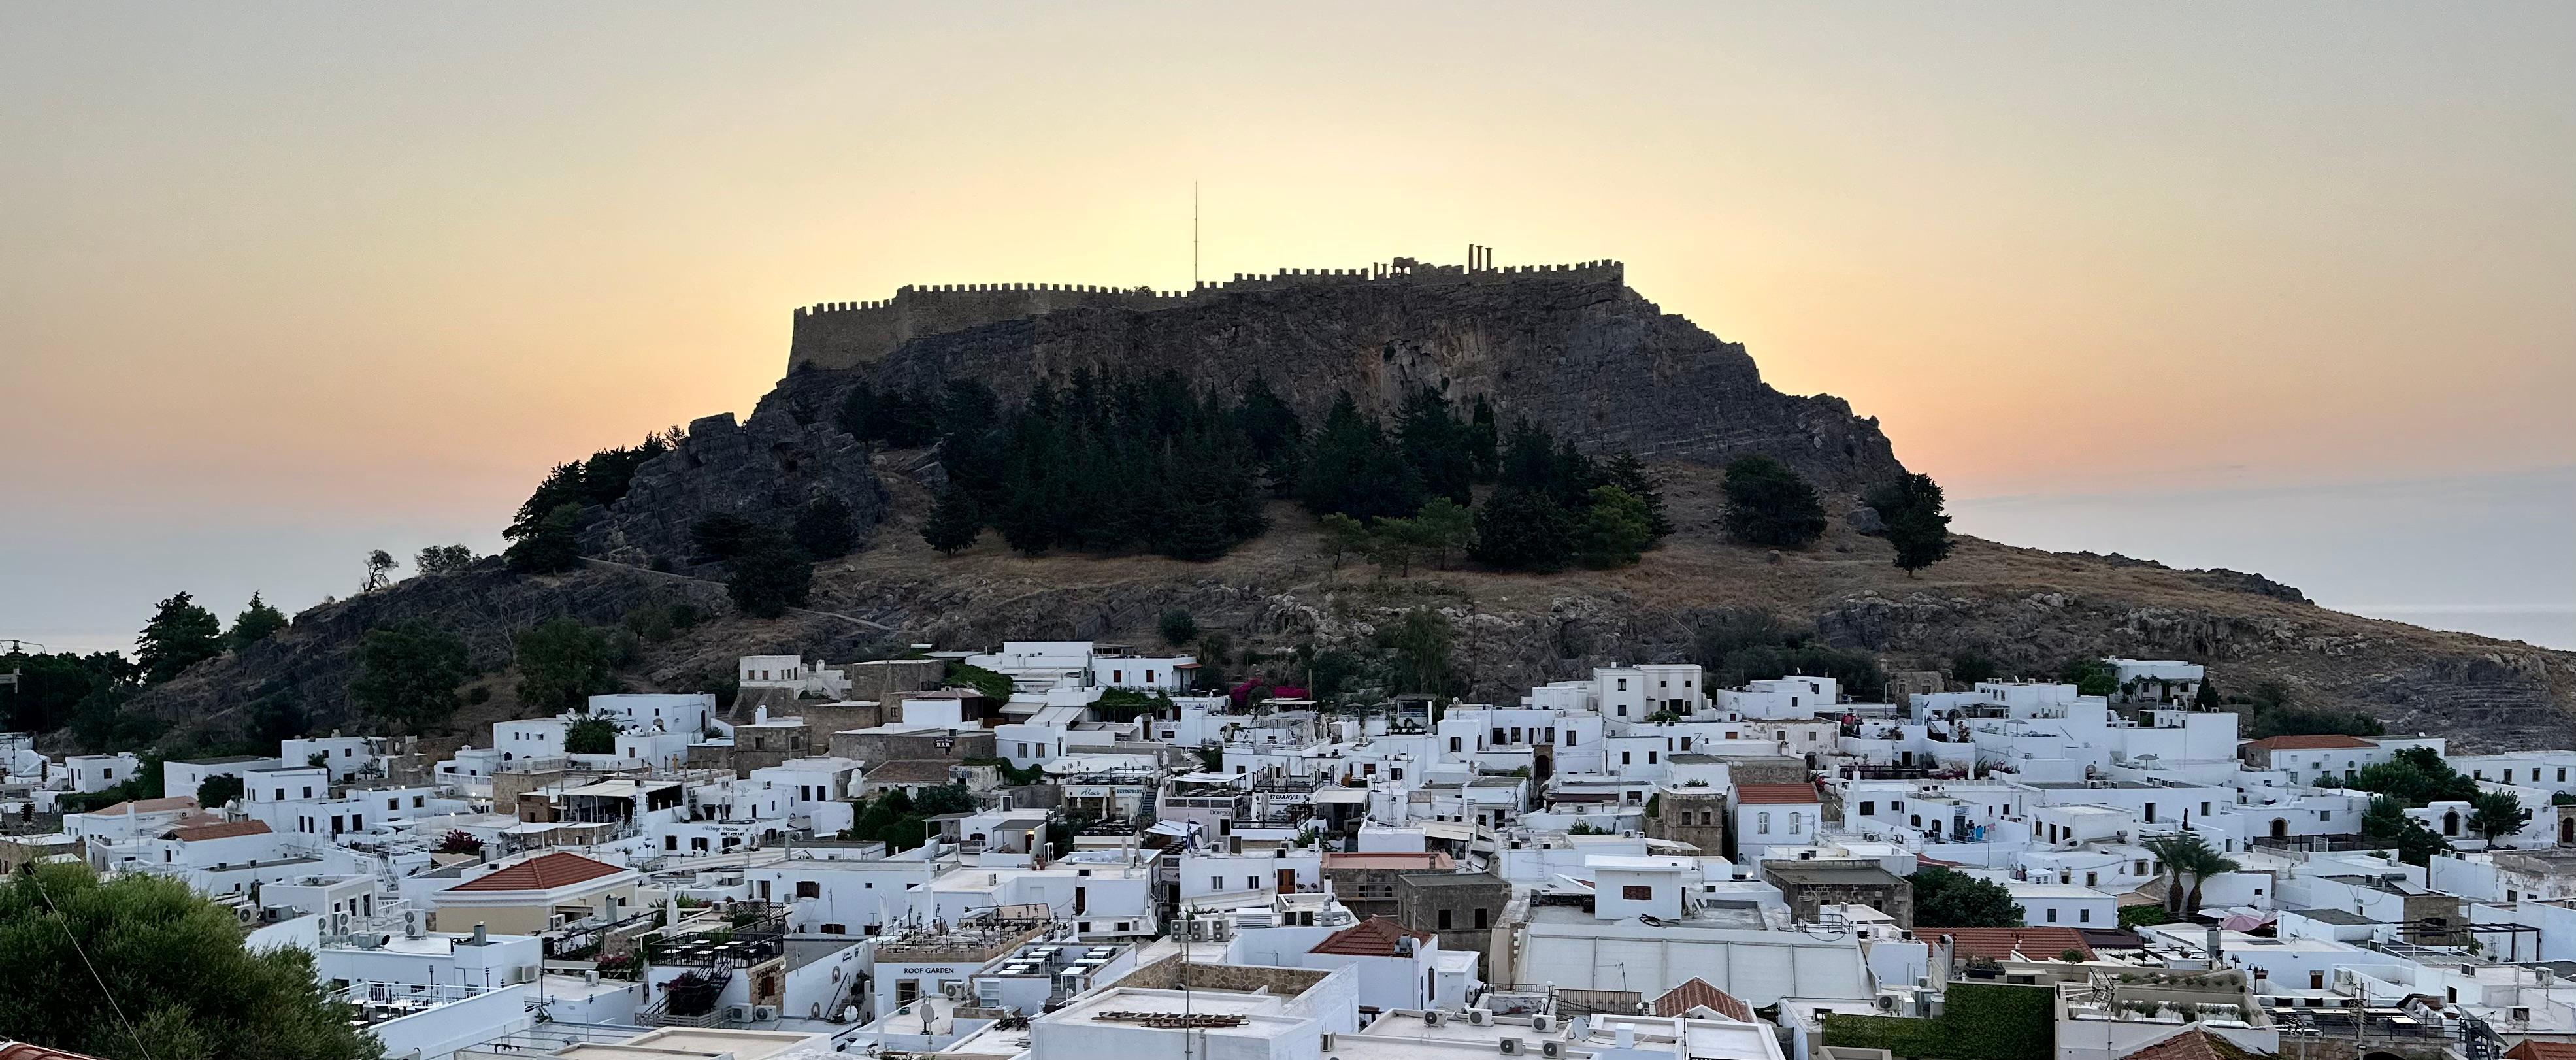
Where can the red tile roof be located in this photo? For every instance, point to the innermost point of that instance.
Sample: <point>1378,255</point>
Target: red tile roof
<point>2321,742</point>
<point>1696,992</point>
<point>178,802</point>
<point>542,873</point>
<point>1373,937</point>
<point>1748,794</point>
<point>2535,1049</point>
<point>2197,1044</point>
<point>225,830</point>
<point>2034,943</point>
<point>24,1051</point>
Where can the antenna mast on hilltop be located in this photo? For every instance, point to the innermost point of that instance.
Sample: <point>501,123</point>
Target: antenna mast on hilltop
<point>1194,235</point>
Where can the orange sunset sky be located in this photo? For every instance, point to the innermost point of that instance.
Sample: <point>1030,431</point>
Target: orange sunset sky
<point>314,276</point>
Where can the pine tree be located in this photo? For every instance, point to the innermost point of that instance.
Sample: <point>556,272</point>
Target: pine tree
<point>1630,475</point>
<point>553,544</point>
<point>954,522</point>
<point>1770,505</point>
<point>408,673</point>
<point>256,623</point>
<point>1615,529</point>
<point>1336,460</point>
<point>824,529</point>
<point>1911,509</point>
<point>1277,441</point>
<point>1193,530</point>
<point>1436,445</point>
<point>770,578</point>
<point>1484,440</point>
<point>179,634</point>
<point>1523,529</point>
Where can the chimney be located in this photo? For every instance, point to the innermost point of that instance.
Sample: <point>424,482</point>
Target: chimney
<point>480,939</point>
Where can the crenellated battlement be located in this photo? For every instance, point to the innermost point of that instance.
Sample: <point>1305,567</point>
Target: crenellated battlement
<point>845,334</point>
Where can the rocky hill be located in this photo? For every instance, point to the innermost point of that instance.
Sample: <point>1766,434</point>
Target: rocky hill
<point>2026,609</point>
<point>1574,349</point>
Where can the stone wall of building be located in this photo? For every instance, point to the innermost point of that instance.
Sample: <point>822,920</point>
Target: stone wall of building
<point>1696,816</point>
<point>877,747</point>
<point>1473,902</point>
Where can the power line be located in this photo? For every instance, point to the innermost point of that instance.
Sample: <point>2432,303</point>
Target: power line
<point>103,991</point>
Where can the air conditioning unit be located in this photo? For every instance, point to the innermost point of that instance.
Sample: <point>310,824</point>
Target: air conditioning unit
<point>763,1013</point>
<point>1543,1023</point>
<point>1434,1018</point>
<point>1887,1002</point>
<point>1510,1046</point>
<point>1480,1017</point>
<point>1551,1049</point>
<point>959,991</point>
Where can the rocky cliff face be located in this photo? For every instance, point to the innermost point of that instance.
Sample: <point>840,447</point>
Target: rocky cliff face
<point>1577,352</point>
<point>764,469</point>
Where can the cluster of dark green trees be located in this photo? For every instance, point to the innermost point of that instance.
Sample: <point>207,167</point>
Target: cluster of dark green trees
<point>88,693</point>
<point>770,568</point>
<point>544,535</point>
<point>1945,898</point>
<point>1100,465</point>
<point>902,821</point>
<point>2417,777</point>
<point>139,968</point>
<point>1745,645</point>
<point>1770,504</point>
<point>1113,465</point>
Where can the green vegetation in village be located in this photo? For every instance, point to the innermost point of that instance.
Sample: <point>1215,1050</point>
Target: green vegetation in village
<point>1944,898</point>
<point>1978,1021</point>
<point>1739,646</point>
<point>562,663</point>
<point>138,968</point>
<point>408,673</point>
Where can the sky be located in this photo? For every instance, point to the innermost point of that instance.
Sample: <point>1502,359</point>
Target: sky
<point>2216,284</point>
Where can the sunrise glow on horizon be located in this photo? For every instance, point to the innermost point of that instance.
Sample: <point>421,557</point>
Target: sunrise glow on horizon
<point>297,262</point>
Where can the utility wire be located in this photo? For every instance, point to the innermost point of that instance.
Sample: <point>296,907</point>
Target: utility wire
<point>103,991</point>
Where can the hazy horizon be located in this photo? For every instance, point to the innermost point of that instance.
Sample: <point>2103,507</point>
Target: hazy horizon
<point>2208,284</point>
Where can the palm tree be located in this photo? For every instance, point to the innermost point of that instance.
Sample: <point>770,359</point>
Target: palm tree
<point>2186,856</point>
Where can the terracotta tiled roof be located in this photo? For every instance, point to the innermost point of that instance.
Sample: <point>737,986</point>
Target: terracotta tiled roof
<point>224,830</point>
<point>2322,742</point>
<point>1695,992</point>
<point>2035,943</point>
<point>23,1051</point>
<point>2197,1044</point>
<point>1390,859</point>
<point>1373,937</point>
<point>542,873</point>
<point>2535,1049</point>
<point>1748,794</point>
<point>181,802</point>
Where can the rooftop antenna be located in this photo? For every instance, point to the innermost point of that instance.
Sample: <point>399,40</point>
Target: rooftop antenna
<point>1194,235</point>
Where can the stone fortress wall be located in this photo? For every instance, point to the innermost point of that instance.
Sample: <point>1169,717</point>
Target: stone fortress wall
<point>849,334</point>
